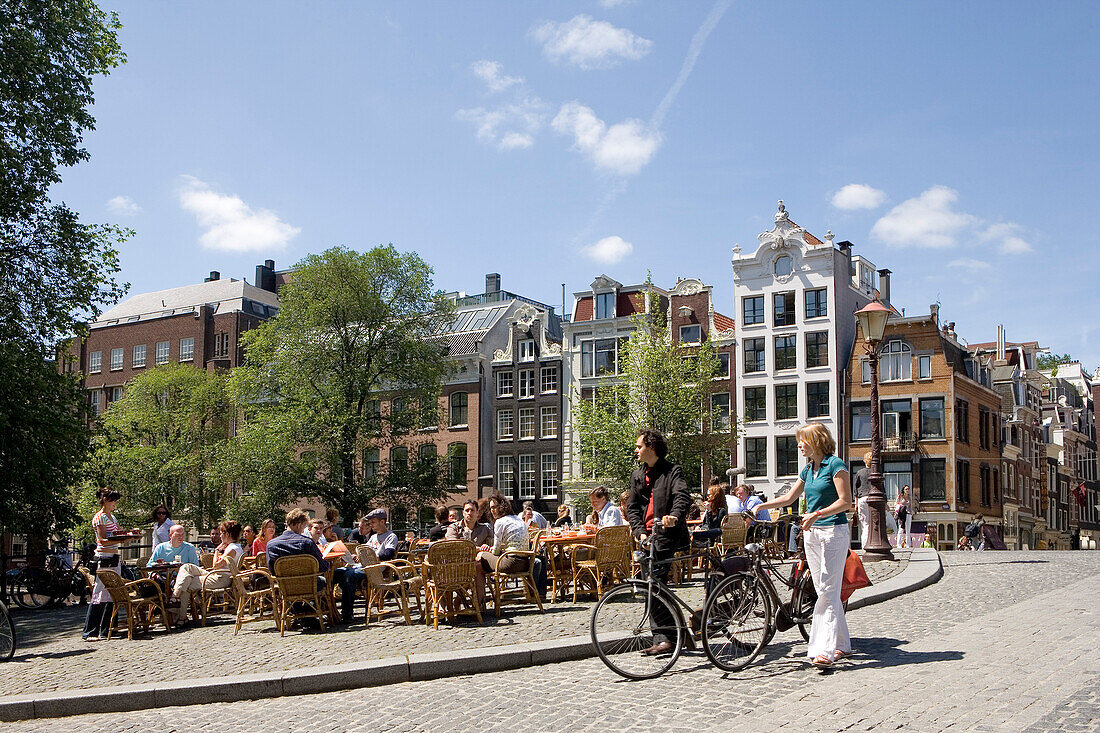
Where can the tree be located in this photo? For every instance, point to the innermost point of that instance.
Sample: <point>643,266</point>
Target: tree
<point>660,385</point>
<point>56,273</point>
<point>1051,361</point>
<point>353,328</point>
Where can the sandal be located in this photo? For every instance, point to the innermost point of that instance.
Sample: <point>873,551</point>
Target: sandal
<point>838,655</point>
<point>822,660</point>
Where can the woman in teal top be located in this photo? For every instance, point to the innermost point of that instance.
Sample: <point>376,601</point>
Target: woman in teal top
<point>826,482</point>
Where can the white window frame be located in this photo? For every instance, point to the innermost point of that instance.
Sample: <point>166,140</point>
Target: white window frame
<point>506,384</point>
<point>607,312</point>
<point>552,373</point>
<point>698,334</point>
<point>549,474</point>
<point>506,425</point>
<point>526,384</point>
<point>527,476</point>
<point>116,393</point>
<point>923,361</point>
<point>117,359</point>
<point>526,416</point>
<point>187,349</point>
<point>95,362</point>
<point>506,473</point>
<point>724,365</point>
<point>163,352</point>
<point>895,362</point>
<point>527,350</point>
<point>548,414</point>
<point>138,358</point>
<point>94,401</point>
<point>721,421</point>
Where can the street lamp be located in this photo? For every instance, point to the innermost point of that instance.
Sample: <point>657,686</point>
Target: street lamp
<point>872,321</point>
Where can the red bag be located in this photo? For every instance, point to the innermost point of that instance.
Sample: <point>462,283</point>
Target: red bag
<point>855,576</point>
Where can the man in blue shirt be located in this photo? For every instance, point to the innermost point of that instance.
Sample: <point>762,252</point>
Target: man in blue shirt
<point>293,542</point>
<point>743,500</point>
<point>175,549</point>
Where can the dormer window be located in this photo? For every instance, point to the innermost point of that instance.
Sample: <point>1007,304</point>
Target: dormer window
<point>527,350</point>
<point>605,305</point>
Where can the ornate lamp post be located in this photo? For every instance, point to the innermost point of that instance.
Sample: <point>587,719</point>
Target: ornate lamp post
<point>872,321</point>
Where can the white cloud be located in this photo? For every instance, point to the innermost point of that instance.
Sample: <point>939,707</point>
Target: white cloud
<point>588,43</point>
<point>516,141</point>
<point>490,72</point>
<point>614,3</point>
<point>609,250</point>
<point>509,126</point>
<point>925,221</point>
<point>969,263</point>
<point>623,148</point>
<point>858,196</point>
<point>1007,235</point>
<point>123,206</point>
<point>1015,246</point>
<point>229,223</point>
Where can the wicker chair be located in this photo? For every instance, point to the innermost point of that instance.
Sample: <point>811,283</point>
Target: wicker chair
<point>207,560</point>
<point>218,600</point>
<point>137,597</point>
<point>514,587</point>
<point>256,600</point>
<point>386,580</point>
<point>734,534</point>
<point>609,556</point>
<point>451,568</point>
<point>296,580</point>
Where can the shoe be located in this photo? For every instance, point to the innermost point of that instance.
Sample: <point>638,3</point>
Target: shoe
<point>90,638</point>
<point>838,655</point>
<point>664,647</point>
<point>822,661</point>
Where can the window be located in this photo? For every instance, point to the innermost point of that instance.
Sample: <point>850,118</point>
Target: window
<point>817,305</point>
<point>526,383</point>
<point>786,455</point>
<point>116,359</point>
<point>786,402</point>
<point>527,477</point>
<point>506,474</point>
<point>374,417</point>
<point>691,334</point>
<point>527,423</point>
<point>399,461</point>
<point>752,309</point>
<point>783,309</point>
<point>817,349</point>
<point>931,418</point>
<point>426,455</point>
<point>756,456</point>
<point>187,349</point>
<point>962,421</point>
<point>401,417</point>
<point>93,402</point>
<point>723,369</point>
<point>459,403</point>
<point>894,476</point>
<point>527,350</point>
<point>138,359</point>
<point>162,352</point>
<point>754,355</point>
<point>505,382</point>
<point>756,404</point>
<point>962,481</point>
<point>817,399</point>
<point>786,352</point>
<point>221,345</point>
<point>457,453</point>
<point>605,305</point>
<point>983,428</point>
<point>599,357</point>
<point>548,378</point>
<point>115,394</point>
<point>985,485</point>
<point>429,413</point>
<point>865,371</point>
<point>933,480</point>
<point>548,421</point>
<point>861,421</point>
<point>371,463</point>
<point>895,362</point>
<point>720,411</point>
<point>549,474</point>
<point>95,362</point>
<point>924,367</point>
<point>505,425</point>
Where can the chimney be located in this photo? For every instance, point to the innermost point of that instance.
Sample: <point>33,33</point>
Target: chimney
<point>846,249</point>
<point>265,276</point>
<point>884,284</point>
<point>934,311</point>
<point>492,282</point>
<point>214,275</point>
<point>1001,343</point>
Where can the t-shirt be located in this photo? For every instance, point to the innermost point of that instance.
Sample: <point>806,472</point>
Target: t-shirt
<point>235,552</point>
<point>821,491</point>
<point>110,526</point>
<point>186,551</point>
<point>160,531</point>
<point>384,545</point>
<point>509,533</point>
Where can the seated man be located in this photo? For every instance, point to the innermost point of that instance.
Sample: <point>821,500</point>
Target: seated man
<point>293,542</point>
<point>384,544</point>
<point>316,532</point>
<point>175,550</point>
<point>743,500</point>
<point>530,516</point>
<point>361,533</point>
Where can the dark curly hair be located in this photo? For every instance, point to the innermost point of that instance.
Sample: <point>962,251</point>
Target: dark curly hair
<point>655,440</point>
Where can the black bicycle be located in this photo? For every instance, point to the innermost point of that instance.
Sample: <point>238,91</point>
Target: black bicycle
<point>59,578</point>
<point>7,634</point>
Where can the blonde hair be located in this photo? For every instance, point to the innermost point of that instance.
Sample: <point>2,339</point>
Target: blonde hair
<point>818,437</point>
<point>867,457</point>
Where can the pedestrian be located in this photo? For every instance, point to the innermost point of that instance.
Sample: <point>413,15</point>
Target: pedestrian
<point>98,619</point>
<point>825,480</point>
<point>903,517</point>
<point>861,488</point>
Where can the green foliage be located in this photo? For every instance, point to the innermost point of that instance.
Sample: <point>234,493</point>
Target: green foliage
<point>1051,361</point>
<point>353,329</point>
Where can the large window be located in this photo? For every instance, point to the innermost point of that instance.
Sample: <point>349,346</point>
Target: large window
<point>599,357</point>
<point>722,371</point>
<point>931,418</point>
<point>371,463</point>
<point>896,474</point>
<point>162,352</point>
<point>817,305</point>
<point>116,359</point>
<point>783,309</point>
<point>221,344</point>
<point>692,334</point>
<point>786,352</point>
<point>187,349</point>
<point>527,477</point>
<point>548,421</point>
<point>756,456</point>
<point>817,349</point>
<point>548,378</point>
<point>459,407</point>
<point>817,399</point>
<point>752,309</point>
<point>786,455</point>
<point>895,362</point>
<point>605,305</point>
<point>786,402</point>
<point>527,423</point>
<point>983,427</point>
<point>427,454</point>
<point>457,455</point>
<point>93,401</point>
<point>399,459</point>
<point>897,418</point>
<point>506,475</point>
<point>527,350</point>
<point>526,383</point>
<point>933,480</point>
<point>754,355</point>
<point>549,474</point>
<point>861,421</point>
<point>505,425</point>
<point>720,411</point>
<point>139,356</point>
<point>962,481</point>
<point>962,421</point>
<point>756,404</point>
<point>95,362</point>
<point>505,384</point>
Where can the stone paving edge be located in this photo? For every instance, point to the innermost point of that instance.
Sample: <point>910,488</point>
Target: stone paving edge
<point>923,569</point>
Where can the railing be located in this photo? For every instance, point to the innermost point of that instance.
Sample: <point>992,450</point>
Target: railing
<point>900,443</point>
<point>498,297</point>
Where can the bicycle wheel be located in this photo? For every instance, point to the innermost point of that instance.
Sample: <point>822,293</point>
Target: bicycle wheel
<point>737,622</point>
<point>32,588</point>
<point>623,624</point>
<point>803,600</point>
<point>7,634</point>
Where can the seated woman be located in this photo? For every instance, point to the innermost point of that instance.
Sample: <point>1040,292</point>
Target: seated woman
<point>227,556</point>
<point>711,528</point>
<point>509,533</point>
<point>265,535</point>
<point>442,521</point>
<point>563,516</point>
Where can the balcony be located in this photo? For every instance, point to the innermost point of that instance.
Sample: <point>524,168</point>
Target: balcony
<point>902,442</point>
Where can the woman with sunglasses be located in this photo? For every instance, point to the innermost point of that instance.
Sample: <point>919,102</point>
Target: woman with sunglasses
<point>162,524</point>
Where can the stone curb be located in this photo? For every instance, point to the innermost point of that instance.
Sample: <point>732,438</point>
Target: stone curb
<point>923,569</point>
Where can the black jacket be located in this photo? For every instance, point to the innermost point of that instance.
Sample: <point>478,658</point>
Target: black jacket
<point>670,496</point>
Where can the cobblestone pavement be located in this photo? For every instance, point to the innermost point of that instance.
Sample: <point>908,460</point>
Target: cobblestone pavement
<point>1005,641</point>
<point>51,655</point>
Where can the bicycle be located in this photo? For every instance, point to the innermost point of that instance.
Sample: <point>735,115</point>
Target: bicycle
<point>627,618</point>
<point>745,610</point>
<point>7,634</point>
<point>33,588</point>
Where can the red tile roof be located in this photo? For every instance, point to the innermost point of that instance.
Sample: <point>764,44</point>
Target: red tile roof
<point>583,310</point>
<point>722,322</point>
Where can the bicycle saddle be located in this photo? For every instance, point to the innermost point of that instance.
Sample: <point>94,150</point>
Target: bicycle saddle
<point>754,548</point>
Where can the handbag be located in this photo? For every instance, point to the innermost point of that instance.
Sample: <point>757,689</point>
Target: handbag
<point>855,576</point>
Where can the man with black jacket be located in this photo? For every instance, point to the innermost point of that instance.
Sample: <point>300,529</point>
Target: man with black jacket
<point>658,489</point>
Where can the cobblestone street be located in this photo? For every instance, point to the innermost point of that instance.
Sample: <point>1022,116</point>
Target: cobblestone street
<point>1005,641</point>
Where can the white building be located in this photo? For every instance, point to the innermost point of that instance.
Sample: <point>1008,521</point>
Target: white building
<point>795,298</point>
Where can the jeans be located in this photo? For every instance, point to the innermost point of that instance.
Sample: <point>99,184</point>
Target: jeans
<point>662,622</point>
<point>349,579</point>
<point>97,621</point>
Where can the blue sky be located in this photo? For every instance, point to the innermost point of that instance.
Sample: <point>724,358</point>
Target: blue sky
<point>954,143</point>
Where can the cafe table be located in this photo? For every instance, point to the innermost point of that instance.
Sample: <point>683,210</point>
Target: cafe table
<point>560,567</point>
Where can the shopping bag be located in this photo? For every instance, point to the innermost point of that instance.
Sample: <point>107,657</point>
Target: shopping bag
<point>855,576</point>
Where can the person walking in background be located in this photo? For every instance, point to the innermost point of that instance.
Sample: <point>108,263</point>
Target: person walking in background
<point>825,481</point>
<point>903,517</point>
<point>861,487</point>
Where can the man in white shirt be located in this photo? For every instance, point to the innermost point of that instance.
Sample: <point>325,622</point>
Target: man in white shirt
<point>383,541</point>
<point>743,500</point>
<point>608,514</point>
<point>529,515</point>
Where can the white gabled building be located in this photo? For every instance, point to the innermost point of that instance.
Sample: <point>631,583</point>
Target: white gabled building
<point>795,297</point>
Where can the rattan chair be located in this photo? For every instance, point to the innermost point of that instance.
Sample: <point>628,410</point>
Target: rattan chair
<point>734,534</point>
<point>215,599</point>
<point>207,560</point>
<point>609,556</point>
<point>137,597</point>
<point>451,570</point>
<point>256,600</point>
<point>384,580</point>
<point>514,587</point>
<point>296,581</point>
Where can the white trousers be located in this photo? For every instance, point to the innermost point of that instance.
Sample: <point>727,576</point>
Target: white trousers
<point>905,538</point>
<point>826,553</point>
<point>864,513</point>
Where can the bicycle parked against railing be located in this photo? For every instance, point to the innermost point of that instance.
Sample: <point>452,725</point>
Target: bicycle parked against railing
<point>7,634</point>
<point>35,587</point>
